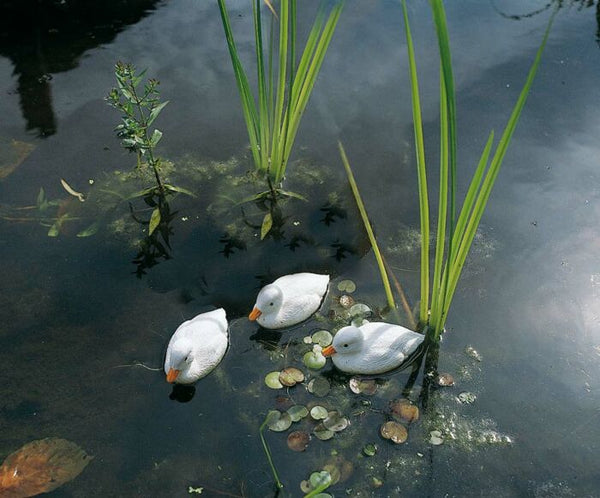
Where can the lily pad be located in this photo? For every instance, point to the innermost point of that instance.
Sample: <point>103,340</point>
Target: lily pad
<point>272,380</point>
<point>278,422</point>
<point>347,286</point>
<point>297,412</point>
<point>445,380</point>
<point>323,433</point>
<point>323,338</point>
<point>335,421</point>
<point>404,411</point>
<point>319,386</point>
<point>298,440</point>
<point>360,309</point>
<point>346,301</point>
<point>319,412</point>
<point>363,386</point>
<point>394,431</point>
<point>291,376</point>
<point>435,438</point>
<point>314,360</point>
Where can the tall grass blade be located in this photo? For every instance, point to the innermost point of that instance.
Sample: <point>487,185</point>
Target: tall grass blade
<point>421,170</point>
<point>365,218</point>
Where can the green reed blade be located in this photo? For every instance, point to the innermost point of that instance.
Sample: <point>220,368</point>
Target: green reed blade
<point>490,177</point>
<point>421,170</point>
<point>365,218</point>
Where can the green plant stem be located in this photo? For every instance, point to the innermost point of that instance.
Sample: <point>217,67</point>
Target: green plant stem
<point>368,228</point>
<point>278,483</point>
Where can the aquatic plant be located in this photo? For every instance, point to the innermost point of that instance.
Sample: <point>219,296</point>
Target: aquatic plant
<point>140,109</point>
<point>284,85</point>
<point>455,234</point>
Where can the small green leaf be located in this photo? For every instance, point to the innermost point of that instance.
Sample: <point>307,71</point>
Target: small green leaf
<point>156,136</point>
<point>55,228</point>
<point>41,198</point>
<point>181,190</point>
<point>154,221</point>
<point>287,193</point>
<point>266,225</point>
<point>156,111</point>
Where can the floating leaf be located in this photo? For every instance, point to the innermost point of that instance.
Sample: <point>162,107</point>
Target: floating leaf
<point>435,438</point>
<point>370,449</point>
<point>40,467</point>
<point>363,386</point>
<point>291,376</point>
<point>314,360</point>
<point>278,422</point>
<point>56,227</point>
<point>319,386</point>
<point>467,397</point>
<point>359,309</point>
<point>181,190</point>
<point>335,422</point>
<point>154,221</point>
<point>272,380</point>
<point>13,155</point>
<point>403,410</point>
<point>319,412</point>
<point>323,338</point>
<point>266,225</point>
<point>445,380</point>
<point>298,440</point>
<point>346,301</point>
<point>394,431</point>
<point>347,286</point>
<point>323,433</point>
<point>297,412</point>
<point>320,479</point>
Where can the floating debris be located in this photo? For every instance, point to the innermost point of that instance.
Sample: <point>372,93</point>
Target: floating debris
<point>445,380</point>
<point>319,386</point>
<point>71,191</point>
<point>347,286</point>
<point>298,440</point>
<point>319,412</point>
<point>272,380</point>
<point>403,410</point>
<point>278,422</point>
<point>346,301</point>
<point>314,359</point>
<point>41,466</point>
<point>466,397</point>
<point>472,353</point>
<point>435,438</point>
<point>335,421</point>
<point>370,450</point>
<point>297,412</point>
<point>394,431</point>
<point>363,386</point>
<point>291,376</point>
<point>323,338</point>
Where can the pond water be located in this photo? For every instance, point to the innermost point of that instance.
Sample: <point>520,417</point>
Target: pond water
<point>79,314</point>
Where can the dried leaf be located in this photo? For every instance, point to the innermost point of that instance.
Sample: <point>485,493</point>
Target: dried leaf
<point>13,155</point>
<point>40,467</point>
<point>74,193</point>
<point>266,225</point>
<point>154,221</point>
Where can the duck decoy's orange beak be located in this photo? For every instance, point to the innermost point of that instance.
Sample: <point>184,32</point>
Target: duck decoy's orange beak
<point>328,351</point>
<point>172,375</point>
<point>254,314</point>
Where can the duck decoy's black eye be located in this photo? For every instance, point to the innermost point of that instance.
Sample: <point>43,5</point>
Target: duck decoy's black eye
<point>270,304</point>
<point>345,345</point>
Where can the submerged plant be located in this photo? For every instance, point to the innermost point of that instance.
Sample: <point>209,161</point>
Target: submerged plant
<point>284,84</point>
<point>455,234</point>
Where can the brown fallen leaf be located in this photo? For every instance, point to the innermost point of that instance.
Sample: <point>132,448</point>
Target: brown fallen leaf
<point>41,466</point>
<point>12,154</point>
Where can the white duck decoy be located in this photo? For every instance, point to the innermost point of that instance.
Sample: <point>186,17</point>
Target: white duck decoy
<point>197,347</point>
<point>289,300</point>
<point>372,348</point>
